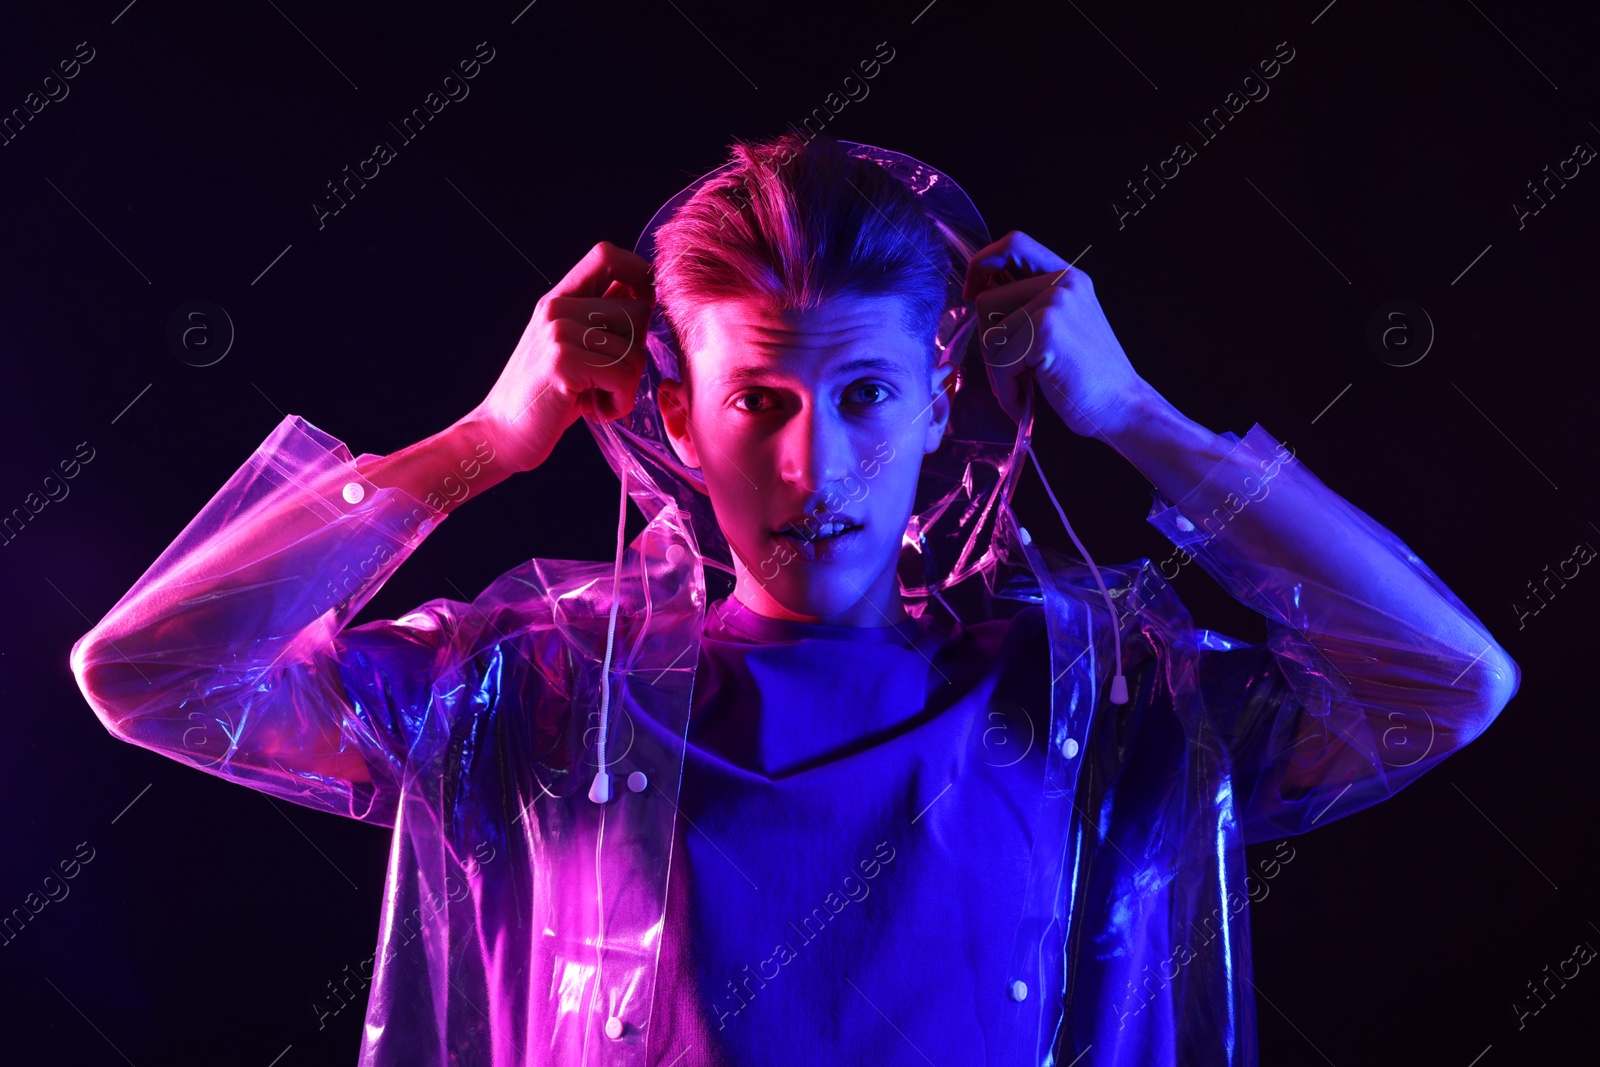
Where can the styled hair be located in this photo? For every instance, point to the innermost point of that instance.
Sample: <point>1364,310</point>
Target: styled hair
<point>794,222</point>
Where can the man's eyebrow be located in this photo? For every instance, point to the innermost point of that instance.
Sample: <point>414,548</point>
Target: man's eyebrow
<point>741,376</point>
<point>750,374</point>
<point>877,363</point>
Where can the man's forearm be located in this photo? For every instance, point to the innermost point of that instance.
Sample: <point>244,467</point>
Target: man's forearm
<point>444,470</point>
<point>297,532</point>
<point>284,534</point>
<point>1170,449</point>
<point>1282,522</point>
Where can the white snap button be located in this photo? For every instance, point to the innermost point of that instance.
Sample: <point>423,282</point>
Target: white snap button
<point>613,1028</point>
<point>1069,748</point>
<point>353,493</point>
<point>1022,532</point>
<point>1184,524</point>
<point>1019,990</point>
<point>637,781</point>
<point>674,554</point>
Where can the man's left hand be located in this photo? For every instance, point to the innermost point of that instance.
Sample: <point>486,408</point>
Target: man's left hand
<point>1038,316</point>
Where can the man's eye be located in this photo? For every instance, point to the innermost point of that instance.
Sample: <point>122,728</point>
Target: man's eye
<point>869,393</point>
<point>750,402</point>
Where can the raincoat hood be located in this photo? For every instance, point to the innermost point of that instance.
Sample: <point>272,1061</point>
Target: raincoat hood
<point>944,543</point>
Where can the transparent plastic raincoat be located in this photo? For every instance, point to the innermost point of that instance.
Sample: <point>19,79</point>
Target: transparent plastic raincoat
<point>522,919</point>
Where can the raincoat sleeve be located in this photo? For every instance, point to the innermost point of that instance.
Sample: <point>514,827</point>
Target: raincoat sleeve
<point>1373,670</point>
<point>231,654</point>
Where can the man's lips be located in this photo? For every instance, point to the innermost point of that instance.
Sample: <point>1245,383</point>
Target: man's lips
<point>811,530</point>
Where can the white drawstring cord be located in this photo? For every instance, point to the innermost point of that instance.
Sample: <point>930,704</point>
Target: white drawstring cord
<point>600,788</point>
<point>1119,682</point>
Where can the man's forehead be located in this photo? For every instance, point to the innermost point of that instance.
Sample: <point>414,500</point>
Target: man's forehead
<point>740,339</point>
<point>833,320</point>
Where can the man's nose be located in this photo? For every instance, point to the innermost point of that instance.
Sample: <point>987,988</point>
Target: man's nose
<point>816,452</point>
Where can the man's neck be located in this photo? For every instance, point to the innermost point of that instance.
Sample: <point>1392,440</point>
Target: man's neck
<point>879,606</point>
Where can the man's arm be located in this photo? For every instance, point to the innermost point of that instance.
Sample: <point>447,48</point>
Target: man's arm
<point>231,652</point>
<point>1376,670</point>
<point>1176,453</point>
<point>1373,669</point>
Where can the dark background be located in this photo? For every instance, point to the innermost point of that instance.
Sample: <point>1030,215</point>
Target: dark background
<point>1384,161</point>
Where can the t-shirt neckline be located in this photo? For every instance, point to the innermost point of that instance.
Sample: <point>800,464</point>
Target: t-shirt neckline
<point>729,619</point>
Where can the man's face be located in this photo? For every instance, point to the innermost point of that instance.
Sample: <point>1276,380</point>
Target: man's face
<point>810,429</point>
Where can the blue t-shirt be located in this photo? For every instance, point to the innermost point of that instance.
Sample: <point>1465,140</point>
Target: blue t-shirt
<point>857,810</point>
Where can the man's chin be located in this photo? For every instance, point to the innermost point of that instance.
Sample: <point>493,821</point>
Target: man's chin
<point>828,598</point>
<point>841,584</point>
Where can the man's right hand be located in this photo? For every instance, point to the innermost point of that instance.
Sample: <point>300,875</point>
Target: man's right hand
<point>581,354</point>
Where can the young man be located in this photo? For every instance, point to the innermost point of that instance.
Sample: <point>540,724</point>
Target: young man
<point>917,790</point>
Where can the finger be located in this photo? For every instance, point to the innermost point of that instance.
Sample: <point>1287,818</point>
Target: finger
<point>1007,338</point>
<point>1016,344</point>
<point>637,304</point>
<point>621,315</point>
<point>624,290</point>
<point>1010,295</point>
<point>1009,391</point>
<point>1015,252</point>
<point>607,349</point>
<point>999,269</point>
<point>598,346</point>
<point>606,263</point>
<point>603,390</point>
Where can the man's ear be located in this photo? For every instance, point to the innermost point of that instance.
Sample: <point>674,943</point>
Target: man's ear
<point>940,408</point>
<point>675,419</point>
